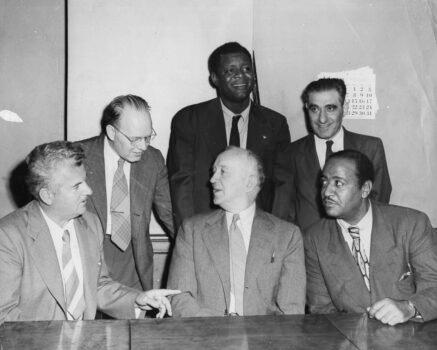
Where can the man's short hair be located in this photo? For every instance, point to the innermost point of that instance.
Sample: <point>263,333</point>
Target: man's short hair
<point>254,160</point>
<point>225,49</point>
<point>113,110</point>
<point>325,84</point>
<point>363,165</point>
<point>43,160</point>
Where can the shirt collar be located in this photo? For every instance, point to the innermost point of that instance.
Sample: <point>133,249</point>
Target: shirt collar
<point>246,215</point>
<point>229,114</point>
<point>337,139</point>
<point>53,226</point>
<point>109,153</point>
<point>364,224</point>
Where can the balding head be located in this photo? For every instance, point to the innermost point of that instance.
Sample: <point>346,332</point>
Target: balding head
<point>237,178</point>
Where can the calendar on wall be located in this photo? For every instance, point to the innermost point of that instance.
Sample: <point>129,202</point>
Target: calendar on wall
<point>360,98</point>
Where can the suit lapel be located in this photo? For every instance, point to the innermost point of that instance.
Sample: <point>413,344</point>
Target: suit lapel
<point>256,131</point>
<point>96,179</point>
<point>343,266</point>
<point>89,264</point>
<point>260,246</point>
<point>140,177</point>
<point>349,141</point>
<point>382,250</point>
<point>214,128</point>
<point>216,241</point>
<point>44,254</point>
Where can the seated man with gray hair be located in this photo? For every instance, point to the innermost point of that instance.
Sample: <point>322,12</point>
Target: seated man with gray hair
<point>51,259</point>
<point>237,260</point>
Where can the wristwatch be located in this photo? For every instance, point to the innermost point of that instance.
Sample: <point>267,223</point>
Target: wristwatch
<point>416,313</point>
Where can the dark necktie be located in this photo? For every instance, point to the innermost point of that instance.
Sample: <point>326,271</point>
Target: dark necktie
<point>359,256</point>
<point>328,149</point>
<point>234,140</point>
<point>74,298</point>
<point>237,253</point>
<point>120,209</point>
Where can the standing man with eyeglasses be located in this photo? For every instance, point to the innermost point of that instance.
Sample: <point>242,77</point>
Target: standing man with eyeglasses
<point>200,132</point>
<point>128,177</point>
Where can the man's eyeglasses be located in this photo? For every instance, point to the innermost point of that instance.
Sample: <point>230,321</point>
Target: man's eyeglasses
<point>136,141</point>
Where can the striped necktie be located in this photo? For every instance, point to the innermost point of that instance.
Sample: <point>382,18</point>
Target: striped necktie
<point>74,298</point>
<point>120,209</point>
<point>237,254</point>
<point>359,256</point>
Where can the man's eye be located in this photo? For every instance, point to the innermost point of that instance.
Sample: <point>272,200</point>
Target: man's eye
<point>338,183</point>
<point>247,69</point>
<point>331,108</point>
<point>314,109</point>
<point>324,182</point>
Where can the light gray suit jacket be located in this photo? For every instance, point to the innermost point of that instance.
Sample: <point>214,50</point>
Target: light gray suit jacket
<point>402,241</point>
<point>30,277</point>
<point>148,185</point>
<point>275,271</point>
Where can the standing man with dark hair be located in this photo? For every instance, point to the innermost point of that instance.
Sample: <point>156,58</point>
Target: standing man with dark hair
<point>51,258</point>
<point>237,260</point>
<point>298,198</point>
<point>368,256</point>
<point>200,132</point>
<point>127,177</point>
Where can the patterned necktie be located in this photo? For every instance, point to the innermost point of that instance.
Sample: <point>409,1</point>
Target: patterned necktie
<point>234,140</point>
<point>120,209</point>
<point>359,256</point>
<point>237,254</point>
<point>73,293</point>
<point>328,149</point>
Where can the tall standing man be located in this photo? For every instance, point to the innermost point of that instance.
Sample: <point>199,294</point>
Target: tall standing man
<point>127,177</point>
<point>237,260</point>
<point>201,131</point>
<point>368,256</point>
<point>51,259</point>
<point>298,198</point>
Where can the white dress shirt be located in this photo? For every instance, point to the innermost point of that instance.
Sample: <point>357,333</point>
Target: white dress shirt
<point>245,226</point>
<point>111,164</point>
<point>338,145</point>
<point>365,227</point>
<point>242,123</point>
<point>56,233</point>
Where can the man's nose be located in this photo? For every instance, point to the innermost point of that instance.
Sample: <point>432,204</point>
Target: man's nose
<point>213,177</point>
<point>88,191</point>
<point>142,144</point>
<point>327,190</point>
<point>322,116</point>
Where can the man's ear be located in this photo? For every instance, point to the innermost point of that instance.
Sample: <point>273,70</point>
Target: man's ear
<point>213,79</point>
<point>110,132</point>
<point>252,182</point>
<point>46,196</point>
<point>366,189</point>
<point>345,108</point>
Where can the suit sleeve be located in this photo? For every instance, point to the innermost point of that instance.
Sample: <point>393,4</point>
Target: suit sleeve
<point>161,197</point>
<point>181,163</point>
<point>284,204</point>
<point>292,283</point>
<point>381,190</point>
<point>10,279</point>
<point>318,298</point>
<point>182,276</point>
<point>423,259</point>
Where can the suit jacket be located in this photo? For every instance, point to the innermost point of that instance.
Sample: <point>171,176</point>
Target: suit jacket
<point>30,277</point>
<point>275,271</point>
<point>198,135</point>
<point>402,241</point>
<point>148,185</point>
<point>298,198</point>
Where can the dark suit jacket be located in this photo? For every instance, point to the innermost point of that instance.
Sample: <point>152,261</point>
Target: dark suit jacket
<point>30,278</point>
<point>400,236</point>
<point>298,198</point>
<point>148,185</point>
<point>198,135</point>
<point>275,271</point>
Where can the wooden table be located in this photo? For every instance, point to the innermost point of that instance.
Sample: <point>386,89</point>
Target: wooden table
<point>256,332</point>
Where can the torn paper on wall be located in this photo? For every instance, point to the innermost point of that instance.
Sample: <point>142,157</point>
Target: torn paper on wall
<point>361,93</point>
<point>10,116</point>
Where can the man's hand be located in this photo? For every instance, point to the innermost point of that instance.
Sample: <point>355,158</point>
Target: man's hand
<point>391,311</point>
<point>156,298</point>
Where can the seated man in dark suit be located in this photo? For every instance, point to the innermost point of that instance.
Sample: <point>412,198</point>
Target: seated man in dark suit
<point>237,260</point>
<point>201,131</point>
<point>298,198</point>
<point>51,259</point>
<point>368,256</point>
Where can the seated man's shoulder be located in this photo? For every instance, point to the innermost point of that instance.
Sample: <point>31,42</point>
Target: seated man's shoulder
<point>400,214</point>
<point>280,227</point>
<point>320,229</point>
<point>16,220</point>
<point>201,220</point>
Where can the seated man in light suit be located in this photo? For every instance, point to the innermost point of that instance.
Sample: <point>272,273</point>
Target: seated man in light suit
<point>51,262</point>
<point>297,198</point>
<point>238,260</point>
<point>369,256</point>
